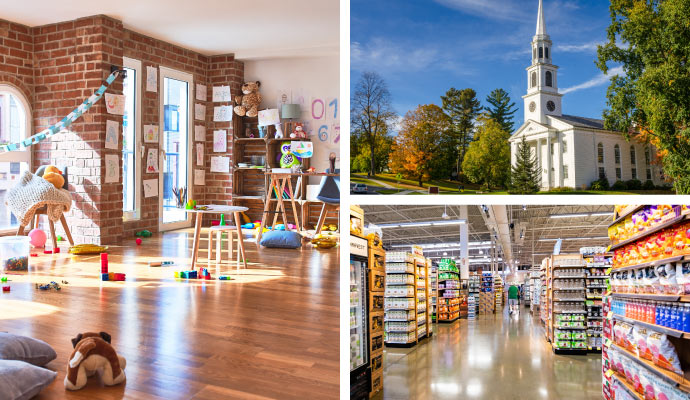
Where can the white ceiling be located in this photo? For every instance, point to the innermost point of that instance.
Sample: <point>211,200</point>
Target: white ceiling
<point>252,29</point>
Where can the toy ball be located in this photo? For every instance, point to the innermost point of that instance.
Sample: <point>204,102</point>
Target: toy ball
<point>292,226</point>
<point>280,227</point>
<point>257,222</point>
<point>138,241</point>
<point>37,238</point>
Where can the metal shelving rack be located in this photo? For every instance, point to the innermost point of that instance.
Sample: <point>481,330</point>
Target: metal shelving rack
<point>449,295</point>
<point>566,294</point>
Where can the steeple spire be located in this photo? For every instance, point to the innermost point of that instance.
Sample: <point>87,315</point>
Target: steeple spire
<point>541,25</point>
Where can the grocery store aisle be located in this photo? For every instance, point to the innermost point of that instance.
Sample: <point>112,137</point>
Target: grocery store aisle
<point>493,357</point>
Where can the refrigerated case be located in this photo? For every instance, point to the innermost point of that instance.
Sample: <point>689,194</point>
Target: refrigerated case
<point>360,371</point>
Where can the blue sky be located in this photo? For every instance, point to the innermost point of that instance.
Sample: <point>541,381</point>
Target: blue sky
<point>422,48</point>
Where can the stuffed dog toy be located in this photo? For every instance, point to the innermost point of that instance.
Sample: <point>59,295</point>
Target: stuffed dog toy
<point>92,353</point>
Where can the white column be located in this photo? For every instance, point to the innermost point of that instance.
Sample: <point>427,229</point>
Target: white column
<point>549,161</point>
<point>559,166</point>
<point>464,243</point>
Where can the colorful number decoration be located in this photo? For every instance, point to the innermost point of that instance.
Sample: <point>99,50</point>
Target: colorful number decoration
<point>322,110</point>
<point>323,133</point>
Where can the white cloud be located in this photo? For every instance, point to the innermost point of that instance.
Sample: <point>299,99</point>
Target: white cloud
<point>594,82</point>
<point>578,48</point>
<point>493,9</point>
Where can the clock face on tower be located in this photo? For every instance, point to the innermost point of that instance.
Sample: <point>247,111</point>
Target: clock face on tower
<point>532,106</point>
<point>550,105</point>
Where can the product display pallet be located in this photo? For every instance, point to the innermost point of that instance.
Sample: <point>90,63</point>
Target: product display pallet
<point>408,298</point>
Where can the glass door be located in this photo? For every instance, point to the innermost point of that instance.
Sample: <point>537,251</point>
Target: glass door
<point>175,158</point>
<point>358,315</point>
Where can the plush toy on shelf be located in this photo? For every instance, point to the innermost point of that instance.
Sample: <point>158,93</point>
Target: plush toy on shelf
<point>299,132</point>
<point>93,352</point>
<point>248,102</point>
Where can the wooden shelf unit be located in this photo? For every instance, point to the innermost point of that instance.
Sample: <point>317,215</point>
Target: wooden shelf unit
<point>249,184</point>
<point>377,272</point>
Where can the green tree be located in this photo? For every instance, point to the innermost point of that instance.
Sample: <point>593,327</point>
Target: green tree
<point>650,99</point>
<point>501,109</point>
<point>525,173</point>
<point>418,142</point>
<point>488,158</point>
<point>463,107</point>
<point>361,161</point>
<point>371,113</point>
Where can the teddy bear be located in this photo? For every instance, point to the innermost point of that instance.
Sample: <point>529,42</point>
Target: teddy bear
<point>248,102</point>
<point>93,352</point>
<point>299,132</point>
<point>53,175</point>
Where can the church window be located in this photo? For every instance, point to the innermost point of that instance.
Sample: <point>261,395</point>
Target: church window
<point>541,52</point>
<point>602,173</point>
<point>617,153</point>
<point>546,52</point>
<point>618,173</point>
<point>647,157</point>
<point>565,172</point>
<point>633,155</point>
<point>600,153</point>
<point>634,173</point>
<point>534,79</point>
<point>549,79</point>
<point>649,174</point>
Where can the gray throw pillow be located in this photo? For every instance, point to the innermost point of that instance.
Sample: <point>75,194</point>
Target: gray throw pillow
<point>23,348</point>
<point>22,381</point>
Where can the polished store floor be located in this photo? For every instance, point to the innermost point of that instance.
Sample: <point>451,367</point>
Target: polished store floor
<point>492,357</point>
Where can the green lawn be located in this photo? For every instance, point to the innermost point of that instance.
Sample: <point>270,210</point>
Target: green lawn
<point>451,187</point>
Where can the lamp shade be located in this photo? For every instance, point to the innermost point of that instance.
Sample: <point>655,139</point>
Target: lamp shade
<point>291,111</point>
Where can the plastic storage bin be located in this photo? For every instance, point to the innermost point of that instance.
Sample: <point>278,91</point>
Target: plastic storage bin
<point>14,253</point>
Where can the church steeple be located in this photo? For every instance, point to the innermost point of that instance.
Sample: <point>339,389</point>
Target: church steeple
<point>541,25</point>
<point>542,97</point>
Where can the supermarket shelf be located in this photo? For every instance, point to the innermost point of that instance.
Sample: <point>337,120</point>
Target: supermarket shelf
<point>649,232</point>
<point>398,320</point>
<point>569,277</point>
<point>448,321</point>
<point>399,309</point>
<point>658,297</point>
<point>654,327</point>
<point>624,216</point>
<point>631,390</point>
<point>570,312</point>
<point>676,379</point>
<point>560,350</point>
<point>568,289</point>
<point>569,266</point>
<point>401,344</point>
<point>579,328</point>
<point>567,300</point>
<point>652,263</point>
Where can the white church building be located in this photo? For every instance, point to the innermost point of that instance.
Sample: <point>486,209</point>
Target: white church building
<point>573,151</point>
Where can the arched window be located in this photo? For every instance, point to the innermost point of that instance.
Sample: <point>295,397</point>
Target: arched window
<point>541,52</point>
<point>617,154</point>
<point>546,51</point>
<point>549,79</point>
<point>600,153</point>
<point>534,79</point>
<point>15,125</point>
<point>647,156</point>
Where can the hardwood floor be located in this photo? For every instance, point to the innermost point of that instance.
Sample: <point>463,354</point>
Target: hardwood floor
<point>270,333</point>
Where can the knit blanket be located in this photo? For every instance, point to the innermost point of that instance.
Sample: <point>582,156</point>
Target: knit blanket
<point>33,192</point>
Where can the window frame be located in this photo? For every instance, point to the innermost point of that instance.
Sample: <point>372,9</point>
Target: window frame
<point>633,155</point>
<point>619,174</point>
<point>134,215</point>
<point>600,153</point>
<point>617,154</point>
<point>548,78</point>
<point>18,156</point>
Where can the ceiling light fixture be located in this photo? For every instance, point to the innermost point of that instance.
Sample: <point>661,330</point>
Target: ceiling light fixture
<point>422,224</point>
<point>582,215</point>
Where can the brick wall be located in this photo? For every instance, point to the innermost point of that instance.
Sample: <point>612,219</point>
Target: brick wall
<point>71,60</point>
<point>16,61</point>
<point>57,66</point>
<point>223,70</point>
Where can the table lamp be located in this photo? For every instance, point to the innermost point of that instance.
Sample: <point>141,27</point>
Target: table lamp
<point>290,111</point>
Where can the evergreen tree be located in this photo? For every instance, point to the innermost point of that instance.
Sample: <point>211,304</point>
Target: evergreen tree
<point>463,107</point>
<point>502,110</point>
<point>525,172</point>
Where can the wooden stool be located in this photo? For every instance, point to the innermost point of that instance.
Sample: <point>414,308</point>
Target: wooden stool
<point>232,233</point>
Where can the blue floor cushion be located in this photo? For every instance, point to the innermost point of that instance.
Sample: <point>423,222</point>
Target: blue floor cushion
<point>281,240</point>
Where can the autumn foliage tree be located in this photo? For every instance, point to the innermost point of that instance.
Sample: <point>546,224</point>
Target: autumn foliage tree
<point>419,142</point>
<point>651,100</point>
<point>487,161</point>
